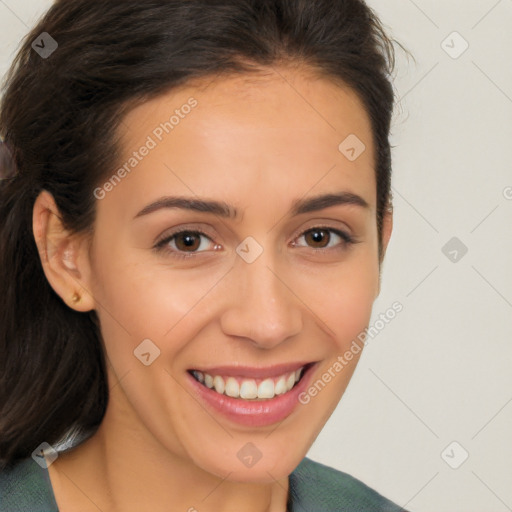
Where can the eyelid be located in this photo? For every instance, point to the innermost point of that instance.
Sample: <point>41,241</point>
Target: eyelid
<point>346,239</point>
<point>192,228</point>
<point>162,242</point>
<point>330,224</point>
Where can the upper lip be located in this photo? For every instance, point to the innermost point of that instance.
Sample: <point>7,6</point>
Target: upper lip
<point>252,371</point>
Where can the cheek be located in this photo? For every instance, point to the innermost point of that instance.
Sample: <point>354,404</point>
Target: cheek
<point>136,290</point>
<point>342,303</point>
<point>342,298</point>
<point>142,297</point>
<point>349,310</point>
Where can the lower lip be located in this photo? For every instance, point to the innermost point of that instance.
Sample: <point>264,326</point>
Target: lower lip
<point>253,413</point>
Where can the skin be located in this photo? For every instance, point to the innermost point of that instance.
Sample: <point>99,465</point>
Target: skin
<point>258,145</point>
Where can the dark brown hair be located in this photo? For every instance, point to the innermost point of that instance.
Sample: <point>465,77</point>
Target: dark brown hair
<point>60,115</point>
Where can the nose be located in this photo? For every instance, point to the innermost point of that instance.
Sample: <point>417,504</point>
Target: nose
<point>261,307</point>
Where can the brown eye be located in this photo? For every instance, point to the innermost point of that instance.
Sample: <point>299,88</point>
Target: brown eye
<point>325,238</point>
<point>187,241</point>
<point>319,238</point>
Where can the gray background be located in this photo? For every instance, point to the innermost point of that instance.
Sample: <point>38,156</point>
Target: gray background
<point>441,370</point>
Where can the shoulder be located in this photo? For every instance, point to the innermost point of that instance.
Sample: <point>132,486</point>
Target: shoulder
<point>314,487</point>
<point>26,486</point>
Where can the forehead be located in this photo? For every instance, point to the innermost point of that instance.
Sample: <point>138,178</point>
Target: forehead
<point>277,94</point>
<point>282,131</point>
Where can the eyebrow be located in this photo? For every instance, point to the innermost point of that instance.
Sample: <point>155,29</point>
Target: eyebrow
<point>299,206</point>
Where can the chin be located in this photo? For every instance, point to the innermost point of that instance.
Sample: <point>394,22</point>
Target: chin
<point>263,471</point>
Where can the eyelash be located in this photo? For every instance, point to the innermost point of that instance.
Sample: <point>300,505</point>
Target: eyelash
<point>161,246</point>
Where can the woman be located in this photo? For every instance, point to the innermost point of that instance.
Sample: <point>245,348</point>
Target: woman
<point>192,233</point>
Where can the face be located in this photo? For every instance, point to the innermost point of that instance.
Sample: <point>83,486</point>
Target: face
<point>245,280</point>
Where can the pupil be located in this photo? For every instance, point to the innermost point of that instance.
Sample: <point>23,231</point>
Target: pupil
<point>318,235</point>
<point>188,241</point>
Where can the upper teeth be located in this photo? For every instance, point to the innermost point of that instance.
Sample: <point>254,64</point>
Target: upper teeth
<point>249,388</point>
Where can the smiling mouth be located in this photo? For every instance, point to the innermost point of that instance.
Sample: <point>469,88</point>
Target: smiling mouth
<point>248,388</point>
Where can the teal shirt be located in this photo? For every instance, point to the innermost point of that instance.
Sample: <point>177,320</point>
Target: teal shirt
<point>314,487</point>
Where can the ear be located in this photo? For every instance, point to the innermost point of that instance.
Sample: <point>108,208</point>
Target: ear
<point>387,228</point>
<point>64,256</point>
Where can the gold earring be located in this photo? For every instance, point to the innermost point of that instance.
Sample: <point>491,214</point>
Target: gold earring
<point>76,298</point>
